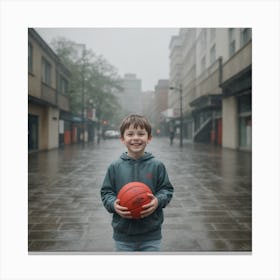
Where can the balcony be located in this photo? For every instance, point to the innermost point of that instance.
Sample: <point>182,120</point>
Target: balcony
<point>63,102</point>
<point>48,94</point>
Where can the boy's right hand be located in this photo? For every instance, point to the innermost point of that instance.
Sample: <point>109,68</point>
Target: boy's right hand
<point>122,211</point>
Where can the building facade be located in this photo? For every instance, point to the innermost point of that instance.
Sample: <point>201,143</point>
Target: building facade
<point>216,85</point>
<point>48,104</point>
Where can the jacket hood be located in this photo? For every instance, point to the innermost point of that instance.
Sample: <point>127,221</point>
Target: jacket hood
<point>146,156</point>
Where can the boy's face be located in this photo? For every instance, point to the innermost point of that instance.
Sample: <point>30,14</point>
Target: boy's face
<point>135,139</point>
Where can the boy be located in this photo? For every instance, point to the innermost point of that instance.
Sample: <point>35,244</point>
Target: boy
<point>136,165</point>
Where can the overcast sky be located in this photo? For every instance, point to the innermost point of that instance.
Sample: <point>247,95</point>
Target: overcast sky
<point>143,51</point>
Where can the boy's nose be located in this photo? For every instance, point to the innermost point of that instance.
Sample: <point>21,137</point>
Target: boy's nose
<point>135,137</point>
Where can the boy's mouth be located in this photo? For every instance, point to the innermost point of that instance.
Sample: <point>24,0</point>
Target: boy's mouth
<point>136,144</point>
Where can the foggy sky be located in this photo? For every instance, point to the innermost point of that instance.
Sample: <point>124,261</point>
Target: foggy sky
<point>143,51</point>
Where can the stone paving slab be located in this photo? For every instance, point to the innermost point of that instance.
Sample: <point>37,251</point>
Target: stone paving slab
<point>210,211</point>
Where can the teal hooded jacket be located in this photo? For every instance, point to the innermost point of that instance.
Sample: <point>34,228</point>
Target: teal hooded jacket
<point>151,172</point>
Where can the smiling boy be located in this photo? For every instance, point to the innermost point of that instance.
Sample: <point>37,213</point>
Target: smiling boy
<point>137,165</point>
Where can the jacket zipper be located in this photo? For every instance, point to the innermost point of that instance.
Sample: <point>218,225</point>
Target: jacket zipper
<point>136,175</point>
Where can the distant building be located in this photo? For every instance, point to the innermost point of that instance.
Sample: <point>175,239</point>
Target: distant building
<point>161,105</point>
<point>130,98</point>
<point>148,104</point>
<point>48,103</point>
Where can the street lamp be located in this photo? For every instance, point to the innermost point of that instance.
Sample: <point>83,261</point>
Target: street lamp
<point>181,111</point>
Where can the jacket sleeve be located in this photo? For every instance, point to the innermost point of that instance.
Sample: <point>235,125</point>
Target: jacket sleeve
<point>108,193</point>
<point>164,190</point>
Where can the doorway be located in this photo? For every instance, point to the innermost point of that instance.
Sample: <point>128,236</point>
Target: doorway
<point>33,129</point>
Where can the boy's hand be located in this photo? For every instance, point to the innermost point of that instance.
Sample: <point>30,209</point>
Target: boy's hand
<point>122,211</point>
<point>149,208</point>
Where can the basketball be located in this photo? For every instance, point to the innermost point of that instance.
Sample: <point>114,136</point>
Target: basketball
<point>133,196</point>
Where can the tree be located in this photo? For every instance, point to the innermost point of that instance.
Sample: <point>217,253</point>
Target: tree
<point>101,80</point>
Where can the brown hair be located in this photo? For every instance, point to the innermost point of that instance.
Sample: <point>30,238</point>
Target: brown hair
<point>136,121</point>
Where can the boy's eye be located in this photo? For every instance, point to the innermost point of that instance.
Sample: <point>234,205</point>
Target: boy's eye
<point>131,134</point>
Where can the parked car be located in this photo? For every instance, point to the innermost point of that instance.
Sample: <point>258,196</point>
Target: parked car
<point>111,134</point>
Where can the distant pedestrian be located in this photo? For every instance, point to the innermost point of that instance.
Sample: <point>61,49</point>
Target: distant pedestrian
<point>171,134</point>
<point>137,165</point>
<point>158,132</point>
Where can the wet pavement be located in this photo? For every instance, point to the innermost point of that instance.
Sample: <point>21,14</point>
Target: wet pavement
<point>210,210</point>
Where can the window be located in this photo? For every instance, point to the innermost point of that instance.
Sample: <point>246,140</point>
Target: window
<point>231,36</point>
<point>212,34</point>
<point>63,86</point>
<point>244,103</point>
<point>203,64</point>
<point>231,48</point>
<point>213,54</point>
<point>203,39</point>
<point>46,71</point>
<point>30,58</point>
<point>246,35</point>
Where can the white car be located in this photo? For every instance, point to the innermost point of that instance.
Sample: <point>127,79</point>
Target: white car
<point>111,134</point>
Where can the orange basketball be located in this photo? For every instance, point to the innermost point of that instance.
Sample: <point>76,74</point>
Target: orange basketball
<point>133,196</point>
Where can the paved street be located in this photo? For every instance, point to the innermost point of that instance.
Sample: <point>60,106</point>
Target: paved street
<point>210,210</point>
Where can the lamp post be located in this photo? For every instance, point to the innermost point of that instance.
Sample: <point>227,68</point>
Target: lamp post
<point>181,111</point>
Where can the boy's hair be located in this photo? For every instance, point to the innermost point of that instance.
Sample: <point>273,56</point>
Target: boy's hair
<point>136,121</point>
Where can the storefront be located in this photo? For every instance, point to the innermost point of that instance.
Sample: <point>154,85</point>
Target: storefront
<point>207,119</point>
<point>65,127</point>
<point>237,111</point>
<point>245,121</point>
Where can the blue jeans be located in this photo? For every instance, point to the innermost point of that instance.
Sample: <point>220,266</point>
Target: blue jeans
<point>148,246</point>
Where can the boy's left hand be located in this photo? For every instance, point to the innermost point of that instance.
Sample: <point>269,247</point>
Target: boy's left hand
<point>150,207</point>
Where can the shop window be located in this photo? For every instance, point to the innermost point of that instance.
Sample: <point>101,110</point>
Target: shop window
<point>245,103</point>
<point>245,132</point>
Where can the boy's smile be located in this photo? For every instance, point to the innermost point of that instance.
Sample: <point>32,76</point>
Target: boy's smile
<point>135,139</point>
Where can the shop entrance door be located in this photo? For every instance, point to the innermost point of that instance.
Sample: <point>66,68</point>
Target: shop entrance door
<point>33,129</point>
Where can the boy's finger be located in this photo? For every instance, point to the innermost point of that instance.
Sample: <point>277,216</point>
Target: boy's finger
<point>150,195</point>
<point>146,206</point>
<point>144,212</point>
<point>127,214</point>
<point>122,208</point>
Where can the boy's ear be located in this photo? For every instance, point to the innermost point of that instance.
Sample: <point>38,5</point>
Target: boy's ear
<point>150,139</point>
